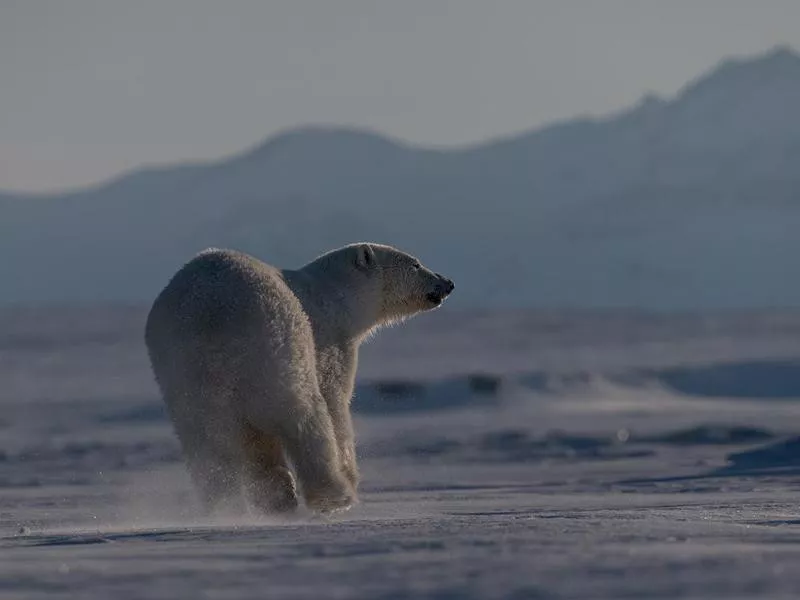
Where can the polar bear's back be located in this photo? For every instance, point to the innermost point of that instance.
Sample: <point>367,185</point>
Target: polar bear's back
<point>226,321</point>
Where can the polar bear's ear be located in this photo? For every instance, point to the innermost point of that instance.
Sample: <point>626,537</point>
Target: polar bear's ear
<point>365,256</point>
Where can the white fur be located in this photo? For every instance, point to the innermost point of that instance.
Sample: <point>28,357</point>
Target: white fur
<point>257,365</point>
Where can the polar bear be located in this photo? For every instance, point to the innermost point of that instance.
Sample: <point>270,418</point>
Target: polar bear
<point>257,366</point>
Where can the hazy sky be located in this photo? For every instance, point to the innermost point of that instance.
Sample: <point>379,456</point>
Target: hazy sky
<point>89,88</point>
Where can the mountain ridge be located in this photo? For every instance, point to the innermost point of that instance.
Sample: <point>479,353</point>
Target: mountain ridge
<point>780,56</point>
<point>642,207</point>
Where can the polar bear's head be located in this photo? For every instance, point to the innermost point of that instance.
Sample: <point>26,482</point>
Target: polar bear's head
<point>405,285</point>
<point>381,285</point>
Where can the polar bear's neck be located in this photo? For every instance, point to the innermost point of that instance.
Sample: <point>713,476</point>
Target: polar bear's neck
<point>339,315</point>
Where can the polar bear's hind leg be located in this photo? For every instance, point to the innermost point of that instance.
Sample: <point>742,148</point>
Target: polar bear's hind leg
<point>269,484</point>
<point>216,477</point>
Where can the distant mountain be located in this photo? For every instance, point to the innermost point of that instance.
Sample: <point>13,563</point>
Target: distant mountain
<point>686,203</point>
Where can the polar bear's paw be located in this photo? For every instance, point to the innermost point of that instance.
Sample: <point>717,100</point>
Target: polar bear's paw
<point>333,498</point>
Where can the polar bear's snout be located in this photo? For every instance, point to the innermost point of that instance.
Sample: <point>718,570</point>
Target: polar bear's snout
<point>441,289</point>
<point>445,285</point>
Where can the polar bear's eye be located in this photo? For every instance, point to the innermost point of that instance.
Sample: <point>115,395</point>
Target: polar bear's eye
<point>416,266</point>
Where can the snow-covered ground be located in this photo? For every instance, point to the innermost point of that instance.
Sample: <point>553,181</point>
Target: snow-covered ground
<point>509,455</point>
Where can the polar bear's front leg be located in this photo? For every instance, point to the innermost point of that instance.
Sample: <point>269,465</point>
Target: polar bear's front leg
<point>345,440</point>
<point>336,372</point>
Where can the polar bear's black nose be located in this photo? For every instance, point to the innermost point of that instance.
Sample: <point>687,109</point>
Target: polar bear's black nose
<point>449,286</point>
